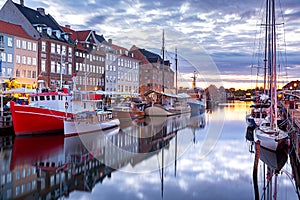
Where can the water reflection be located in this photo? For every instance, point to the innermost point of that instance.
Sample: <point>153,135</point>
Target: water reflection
<point>50,167</point>
<point>154,158</point>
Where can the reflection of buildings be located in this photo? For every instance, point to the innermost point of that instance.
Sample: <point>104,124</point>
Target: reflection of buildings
<point>50,167</point>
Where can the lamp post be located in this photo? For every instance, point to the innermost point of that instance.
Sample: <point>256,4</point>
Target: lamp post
<point>61,67</point>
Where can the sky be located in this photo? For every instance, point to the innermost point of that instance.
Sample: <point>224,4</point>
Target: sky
<point>219,39</point>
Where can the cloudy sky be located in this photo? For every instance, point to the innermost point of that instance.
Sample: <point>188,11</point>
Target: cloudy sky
<point>218,39</point>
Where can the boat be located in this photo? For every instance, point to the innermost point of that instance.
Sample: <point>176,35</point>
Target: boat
<point>130,109</point>
<point>258,111</point>
<point>196,102</point>
<point>163,104</point>
<point>89,121</point>
<point>45,113</point>
<point>268,132</point>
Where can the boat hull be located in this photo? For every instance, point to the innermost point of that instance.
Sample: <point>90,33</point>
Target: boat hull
<point>272,142</point>
<point>74,127</point>
<point>29,120</point>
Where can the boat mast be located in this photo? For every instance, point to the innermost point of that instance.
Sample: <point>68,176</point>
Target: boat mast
<point>274,73</point>
<point>163,60</point>
<point>176,66</point>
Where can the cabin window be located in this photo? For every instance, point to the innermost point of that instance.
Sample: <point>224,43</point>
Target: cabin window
<point>53,97</point>
<point>59,97</point>
<point>32,98</point>
<point>66,98</point>
<point>36,98</point>
<point>48,98</point>
<point>42,98</point>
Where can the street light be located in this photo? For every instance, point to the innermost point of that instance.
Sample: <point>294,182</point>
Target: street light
<point>61,66</point>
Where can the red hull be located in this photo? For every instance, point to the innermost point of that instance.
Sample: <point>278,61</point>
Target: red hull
<point>32,120</point>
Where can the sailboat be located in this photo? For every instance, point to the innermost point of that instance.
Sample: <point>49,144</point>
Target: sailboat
<point>268,132</point>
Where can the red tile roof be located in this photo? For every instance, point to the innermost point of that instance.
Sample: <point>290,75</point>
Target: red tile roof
<point>13,29</point>
<point>74,36</point>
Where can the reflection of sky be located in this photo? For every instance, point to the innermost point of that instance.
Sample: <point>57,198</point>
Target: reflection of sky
<point>225,173</point>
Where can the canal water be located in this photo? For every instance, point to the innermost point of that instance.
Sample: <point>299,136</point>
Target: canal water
<point>189,156</point>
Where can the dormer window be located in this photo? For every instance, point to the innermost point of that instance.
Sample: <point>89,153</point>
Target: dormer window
<point>49,31</point>
<point>57,33</point>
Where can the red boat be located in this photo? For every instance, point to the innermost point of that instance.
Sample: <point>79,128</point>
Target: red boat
<point>44,114</point>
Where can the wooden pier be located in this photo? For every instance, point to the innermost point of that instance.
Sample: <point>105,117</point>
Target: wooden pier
<point>6,123</point>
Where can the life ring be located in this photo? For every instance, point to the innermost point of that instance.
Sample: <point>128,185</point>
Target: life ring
<point>66,105</point>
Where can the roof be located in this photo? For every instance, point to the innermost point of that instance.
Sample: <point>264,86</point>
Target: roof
<point>36,17</point>
<point>151,57</point>
<point>73,35</point>
<point>13,29</point>
<point>100,38</point>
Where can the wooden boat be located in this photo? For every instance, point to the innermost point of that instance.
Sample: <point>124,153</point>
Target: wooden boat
<point>163,104</point>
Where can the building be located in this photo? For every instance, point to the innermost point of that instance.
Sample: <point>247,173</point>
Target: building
<point>55,47</point>
<point>127,70</point>
<point>89,60</point>
<point>153,74</point>
<point>18,55</point>
<point>293,85</point>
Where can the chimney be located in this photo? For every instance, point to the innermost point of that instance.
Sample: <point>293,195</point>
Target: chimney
<point>110,41</point>
<point>41,11</point>
<point>68,26</point>
<point>22,2</point>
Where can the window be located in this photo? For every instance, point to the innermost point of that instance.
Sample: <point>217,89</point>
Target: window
<point>58,48</point>
<point>52,48</point>
<point>3,56</point>
<point>33,74</point>
<point>34,47</point>
<point>29,46</point>
<point>69,68</point>
<point>18,59</point>
<point>9,42</point>
<point>52,67</point>
<point>70,52</point>
<point>17,73</point>
<point>58,68</point>
<point>34,61</point>
<point>44,45</point>
<point>28,60</point>
<point>24,73</point>
<point>43,66</point>
<point>24,60</point>
<point>28,74</point>
<point>9,58</point>
<point>63,49</point>
<point>18,44</point>
<point>24,44</point>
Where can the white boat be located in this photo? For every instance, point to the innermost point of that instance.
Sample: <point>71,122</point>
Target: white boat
<point>89,121</point>
<point>268,132</point>
<point>270,138</point>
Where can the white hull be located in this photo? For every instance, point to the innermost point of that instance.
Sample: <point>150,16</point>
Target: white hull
<point>73,127</point>
<point>157,110</point>
<point>270,141</point>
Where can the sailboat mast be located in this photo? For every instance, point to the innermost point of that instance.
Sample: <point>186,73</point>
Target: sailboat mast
<point>176,66</point>
<point>274,74</point>
<point>163,60</point>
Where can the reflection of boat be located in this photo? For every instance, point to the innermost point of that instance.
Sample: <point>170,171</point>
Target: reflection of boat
<point>44,151</point>
<point>89,121</point>
<point>274,160</point>
<point>197,120</point>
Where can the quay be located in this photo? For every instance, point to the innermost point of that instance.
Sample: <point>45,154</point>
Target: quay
<point>293,126</point>
<point>6,123</point>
